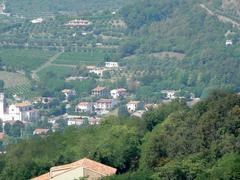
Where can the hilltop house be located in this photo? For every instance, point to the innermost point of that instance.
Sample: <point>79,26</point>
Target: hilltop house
<point>111,64</point>
<point>84,168</point>
<point>80,22</point>
<point>100,91</point>
<point>116,93</point>
<point>133,106</point>
<point>84,107</point>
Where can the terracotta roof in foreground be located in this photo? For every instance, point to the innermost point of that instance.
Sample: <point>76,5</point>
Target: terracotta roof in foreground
<point>88,164</point>
<point>42,177</point>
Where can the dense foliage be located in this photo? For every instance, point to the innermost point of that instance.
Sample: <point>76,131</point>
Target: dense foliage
<point>170,142</point>
<point>197,60</point>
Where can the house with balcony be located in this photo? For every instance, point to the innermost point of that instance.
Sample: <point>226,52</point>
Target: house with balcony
<point>100,91</point>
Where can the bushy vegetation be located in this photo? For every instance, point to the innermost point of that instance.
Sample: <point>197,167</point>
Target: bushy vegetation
<point>187,29</point>
<point>170,142</point>
<point>45,7</point>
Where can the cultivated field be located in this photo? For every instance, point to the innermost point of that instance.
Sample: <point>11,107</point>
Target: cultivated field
<point>16,83</point>
<point>27,59</point>
<point>86,57</point>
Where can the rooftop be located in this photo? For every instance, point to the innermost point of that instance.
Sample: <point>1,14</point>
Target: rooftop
<point>134,102</point>
<point>23,104</point>
<point>40,131</point>
<point>88,164</point>
<point>85,103</point>
<point>105,101</point>
<point>42,177</point>
<point>99,88</point>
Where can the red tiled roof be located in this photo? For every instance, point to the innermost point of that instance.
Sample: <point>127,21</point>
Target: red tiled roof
<point>84,103</point>
<point>99,88</point>
<point>88,164</point>
<point>121,90</point>
<point>40,131</point>
<point>42,177</point>
<point>23,104</point>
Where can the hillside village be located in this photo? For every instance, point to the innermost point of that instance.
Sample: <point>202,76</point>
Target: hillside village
<point>85,69</point>
<point>104,101</point>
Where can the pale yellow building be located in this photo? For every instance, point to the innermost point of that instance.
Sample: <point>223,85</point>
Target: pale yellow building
<point>87,168</point>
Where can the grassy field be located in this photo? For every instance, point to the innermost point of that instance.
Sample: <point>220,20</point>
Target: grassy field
<point>86,57</point>
<point>23,58</point>
<point>55,70</point>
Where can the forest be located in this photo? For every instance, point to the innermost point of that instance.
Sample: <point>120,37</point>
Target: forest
<point>172,141</point>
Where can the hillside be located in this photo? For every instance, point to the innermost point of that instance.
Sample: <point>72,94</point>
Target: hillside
<point>169,142</point>
<point>34,8</point>
<point>186,27</point>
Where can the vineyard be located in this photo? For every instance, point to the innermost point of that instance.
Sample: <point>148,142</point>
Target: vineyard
<point>16,83</point>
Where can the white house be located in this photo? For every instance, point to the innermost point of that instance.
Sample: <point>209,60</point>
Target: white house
<point>37,21</point>
<point>111,64</point>
<point>169,94</point>
<point>116,93</point>
<point>69,92</point>
<point>97,71</point>
<point>85,107</point>
<point>105,104</point>
<point>229,42</point>
<point>78,22</point>
<point>17,112</point>
<point>75,122</point>
<point>133,106</point>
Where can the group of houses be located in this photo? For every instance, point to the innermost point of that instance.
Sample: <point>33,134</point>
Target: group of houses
<point>104,104</point>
